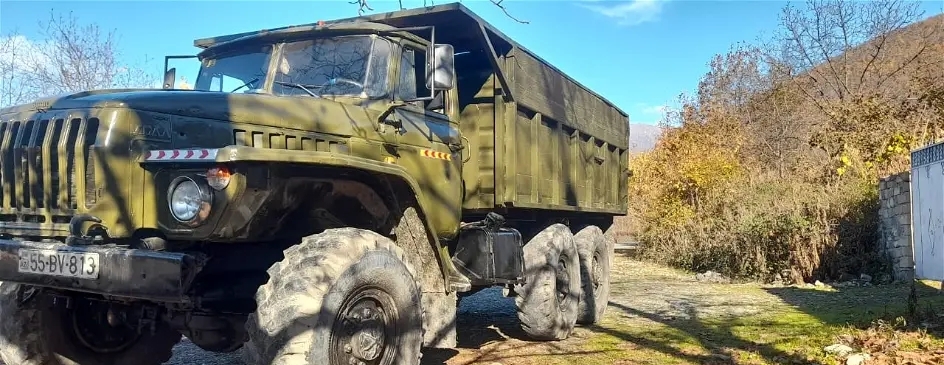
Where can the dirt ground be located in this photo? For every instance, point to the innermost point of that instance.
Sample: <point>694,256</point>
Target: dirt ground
<point>659,316</point>
<point>642,295</point>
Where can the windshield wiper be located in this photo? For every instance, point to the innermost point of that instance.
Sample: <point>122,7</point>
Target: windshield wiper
<point>244,85</point>
<point>298,86</point>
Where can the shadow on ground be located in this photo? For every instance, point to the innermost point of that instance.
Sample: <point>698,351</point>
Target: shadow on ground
<point>489,332</point>
<point>716,337</point>
<point>663,318</point>
<point>858,307</point>
<point>484,318</point>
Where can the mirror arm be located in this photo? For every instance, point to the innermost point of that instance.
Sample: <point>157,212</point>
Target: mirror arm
<point>170,78</point>
<point>383,118</point>
<point>432,54</point>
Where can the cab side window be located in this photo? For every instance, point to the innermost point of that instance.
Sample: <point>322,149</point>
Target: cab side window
<point>413,80</point>
<point>408,74</point>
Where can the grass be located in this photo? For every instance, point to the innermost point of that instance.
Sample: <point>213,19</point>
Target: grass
<point>663,316</point>
<point>794,331</point>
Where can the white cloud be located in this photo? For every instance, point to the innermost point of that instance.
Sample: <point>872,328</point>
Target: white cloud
<point>21,53</point>
<point>658,110</point>
<point>647,113</point>
<point>627,13</point>
<point>650,111</point>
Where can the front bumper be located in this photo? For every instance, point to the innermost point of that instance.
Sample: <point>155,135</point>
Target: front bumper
<point>128,273</point>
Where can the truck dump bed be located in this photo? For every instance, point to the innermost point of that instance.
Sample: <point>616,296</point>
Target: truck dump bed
<point>539,139</point>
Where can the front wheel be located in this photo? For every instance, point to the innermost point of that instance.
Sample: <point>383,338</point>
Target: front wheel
<point>35,332</point>
<point>344,296</point>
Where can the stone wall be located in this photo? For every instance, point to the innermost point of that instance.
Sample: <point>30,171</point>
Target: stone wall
<point>895,224</point>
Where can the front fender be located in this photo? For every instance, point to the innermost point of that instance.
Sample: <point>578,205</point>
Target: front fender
<point>235,155</point>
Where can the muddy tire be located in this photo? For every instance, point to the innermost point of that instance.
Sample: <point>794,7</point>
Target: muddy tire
<point>596,257</point>
<point>341,294</point>
<point>38,333</point>
<point>547,300</point>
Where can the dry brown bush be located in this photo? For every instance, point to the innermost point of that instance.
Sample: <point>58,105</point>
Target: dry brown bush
<point>771,168</point>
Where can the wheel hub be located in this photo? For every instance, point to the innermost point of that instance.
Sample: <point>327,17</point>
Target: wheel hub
<point>562,283</point>
<point>368,339</point>
<point>365,324</point>
<point>597,274</point>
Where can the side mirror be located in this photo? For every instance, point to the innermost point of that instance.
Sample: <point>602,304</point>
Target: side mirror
<point>443,76</point>
<point>170,77</point>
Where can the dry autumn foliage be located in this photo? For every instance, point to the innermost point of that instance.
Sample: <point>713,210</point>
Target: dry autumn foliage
<point>898,342</point>
<point>771,168</point>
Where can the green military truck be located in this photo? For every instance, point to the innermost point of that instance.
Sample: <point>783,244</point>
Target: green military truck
<point>325,194</point>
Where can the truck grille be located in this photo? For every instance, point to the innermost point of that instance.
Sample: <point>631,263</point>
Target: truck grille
<point>44,164</point>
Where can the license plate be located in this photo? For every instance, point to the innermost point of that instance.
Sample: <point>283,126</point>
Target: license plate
<point>55,263</point>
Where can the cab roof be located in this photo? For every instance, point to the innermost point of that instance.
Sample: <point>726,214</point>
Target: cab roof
<point>452,15</point>
<point>464,27</point>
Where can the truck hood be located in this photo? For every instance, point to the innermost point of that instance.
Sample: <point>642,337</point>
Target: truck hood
<point>300,112</point>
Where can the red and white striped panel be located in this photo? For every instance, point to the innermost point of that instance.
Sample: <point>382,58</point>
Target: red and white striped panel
<point>205,154</point>
<point>435,154</point>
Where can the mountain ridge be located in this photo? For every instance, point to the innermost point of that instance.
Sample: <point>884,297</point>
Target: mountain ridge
<point>643,137</point>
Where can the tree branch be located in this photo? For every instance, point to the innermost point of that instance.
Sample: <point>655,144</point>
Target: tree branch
<point>363,6</point>
<point>498,3</point>
<point>873,56</point>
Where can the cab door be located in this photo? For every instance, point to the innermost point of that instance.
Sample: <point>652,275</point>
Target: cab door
<point>429,143</point>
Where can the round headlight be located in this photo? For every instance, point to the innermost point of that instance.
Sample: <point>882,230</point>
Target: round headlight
<point>186,200</point>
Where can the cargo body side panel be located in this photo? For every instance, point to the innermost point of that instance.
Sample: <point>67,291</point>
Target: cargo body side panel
<point>477,125</point>
<point>565,149</point>
<point>554,147</point>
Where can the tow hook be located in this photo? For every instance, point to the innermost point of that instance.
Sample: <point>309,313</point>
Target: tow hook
<point>76,236</point>
<point>25,294</point>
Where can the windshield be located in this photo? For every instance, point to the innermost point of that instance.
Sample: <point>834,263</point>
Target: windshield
<point>242,71</point>
<point>350,65</point>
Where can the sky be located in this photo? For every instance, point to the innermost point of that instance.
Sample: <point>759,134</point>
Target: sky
<point>639,54</point>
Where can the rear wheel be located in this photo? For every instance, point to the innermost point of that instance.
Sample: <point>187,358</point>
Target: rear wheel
<point>596,257</point>
<point>547,300</point>
<point>344,296</point>
<point>33,331</point>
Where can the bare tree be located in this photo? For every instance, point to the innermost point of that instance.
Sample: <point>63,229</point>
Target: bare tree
<point>855,62</point>
<point>67,57</point>
<point>842,47</point>
<point>12,89</point>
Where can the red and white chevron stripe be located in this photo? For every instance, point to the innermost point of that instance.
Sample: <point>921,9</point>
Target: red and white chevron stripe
<point>205,154</point>
<point>436,154</point>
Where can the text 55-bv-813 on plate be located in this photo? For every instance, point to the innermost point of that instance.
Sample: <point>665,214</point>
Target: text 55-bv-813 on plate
<point>57,263</point>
